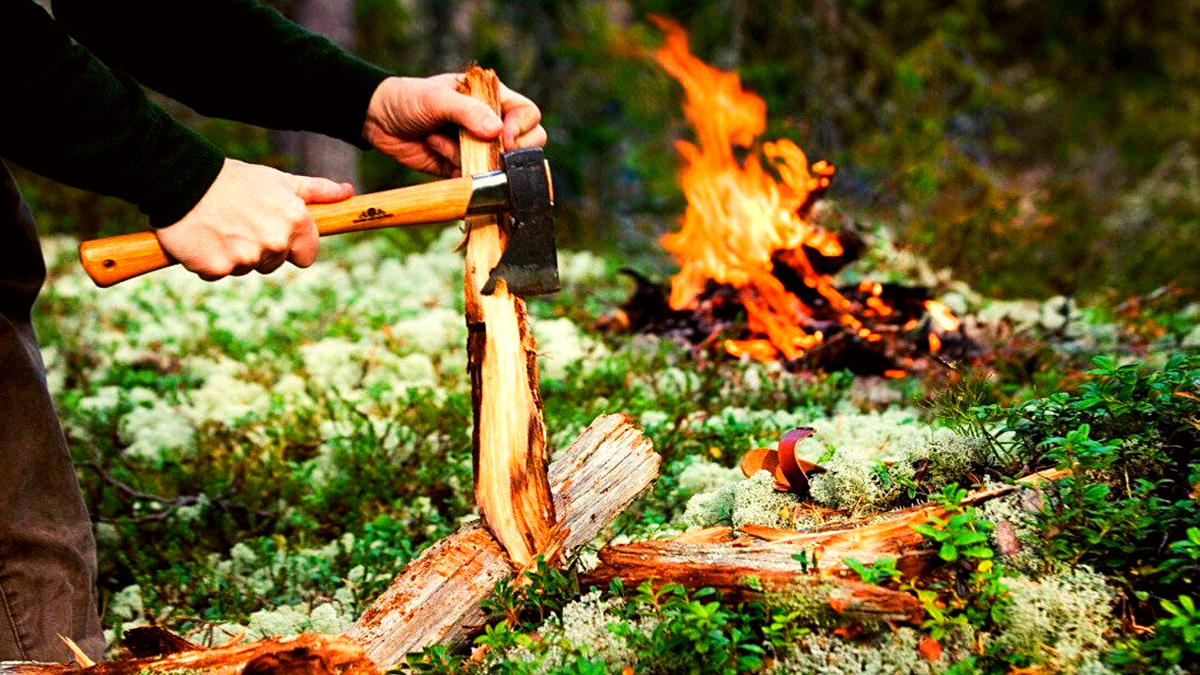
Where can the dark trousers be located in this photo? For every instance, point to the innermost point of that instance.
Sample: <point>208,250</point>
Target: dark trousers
<point>47,553</point>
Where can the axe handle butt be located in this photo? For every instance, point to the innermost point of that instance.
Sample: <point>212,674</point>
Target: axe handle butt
<point>112,260</point>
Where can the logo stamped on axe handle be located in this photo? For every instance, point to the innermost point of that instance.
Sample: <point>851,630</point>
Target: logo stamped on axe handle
<point>372,214</point>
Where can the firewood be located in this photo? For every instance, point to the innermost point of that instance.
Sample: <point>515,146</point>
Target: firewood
<point>312,654</point>
<point>745,573</point>
<point>437,597</point>
<point>762,562</point>
<point>509,440</point>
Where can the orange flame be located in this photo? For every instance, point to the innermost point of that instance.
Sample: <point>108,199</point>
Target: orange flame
<point>935,343</point>
<point>739,214</point>
<point>942,315</point>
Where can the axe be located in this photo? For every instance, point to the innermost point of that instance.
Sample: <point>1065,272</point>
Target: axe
<point>528,266</point>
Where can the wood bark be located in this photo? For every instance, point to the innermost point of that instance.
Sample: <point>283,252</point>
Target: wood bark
<point>436,598</point>
<point>509,439</point>
<point>761,561</point>
<point>306,654</point>
<point>748,572</point>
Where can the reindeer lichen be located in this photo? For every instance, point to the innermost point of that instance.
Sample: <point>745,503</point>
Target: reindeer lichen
<point>756,501</point>
<point>887,653</point>
<point>1070,613</point>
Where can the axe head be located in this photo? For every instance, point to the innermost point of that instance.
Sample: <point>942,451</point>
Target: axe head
<point>529,264</point>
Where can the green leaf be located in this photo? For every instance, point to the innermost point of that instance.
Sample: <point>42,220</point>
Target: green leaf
<point>928,532</point>
<point>981,552</point>
<point>948,552</point>
<point>969,538</point>
<point>1186,602</point>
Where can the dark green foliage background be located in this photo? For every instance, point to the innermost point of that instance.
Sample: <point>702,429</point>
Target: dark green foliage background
<point>997,138</point>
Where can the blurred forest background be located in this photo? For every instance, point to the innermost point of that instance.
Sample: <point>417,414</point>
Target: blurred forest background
<point>1035,148</point>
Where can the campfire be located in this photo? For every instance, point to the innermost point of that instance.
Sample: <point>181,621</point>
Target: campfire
<point>756,270</point>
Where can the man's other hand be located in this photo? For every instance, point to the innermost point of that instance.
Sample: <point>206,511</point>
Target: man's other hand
<point>252,218</point>
<point>413,120</point>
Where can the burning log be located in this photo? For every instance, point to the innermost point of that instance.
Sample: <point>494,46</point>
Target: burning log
<point>437,597</point>
<point>765,561</point>
<point>304,655</point>
<point>509,440</point>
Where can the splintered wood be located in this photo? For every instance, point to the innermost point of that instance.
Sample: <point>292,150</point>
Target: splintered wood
<point>304,655</point>
<point>509,440</point>
<point>437,597</point>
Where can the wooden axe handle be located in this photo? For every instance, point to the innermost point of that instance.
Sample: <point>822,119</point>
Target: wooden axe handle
<point>112,260</point>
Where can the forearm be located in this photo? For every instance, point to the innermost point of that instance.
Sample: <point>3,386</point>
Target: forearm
<point>234,59</point>
<point>70,118</point>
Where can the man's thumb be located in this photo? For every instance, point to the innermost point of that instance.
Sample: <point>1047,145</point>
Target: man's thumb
<point>475,116</point>
<point>321,190</point>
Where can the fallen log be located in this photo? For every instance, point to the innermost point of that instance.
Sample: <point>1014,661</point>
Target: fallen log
<point>763,561</point>
<point>744,573</point>
<point>509,440</point>
<point>303,655</point>
<point>436,598</point>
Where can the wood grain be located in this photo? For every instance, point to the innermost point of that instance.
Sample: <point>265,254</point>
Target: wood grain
<point>112,260</point>
<point>436,598</point>
<point>509,439</point>
<point>311,654</point>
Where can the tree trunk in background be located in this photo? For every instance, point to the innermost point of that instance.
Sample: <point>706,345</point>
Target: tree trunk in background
<point>314,154</point>
<point>453,25</point>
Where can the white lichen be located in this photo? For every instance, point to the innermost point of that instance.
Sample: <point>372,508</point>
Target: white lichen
<point>887,654</point>
<point>1062,619</point>
<point>757,502</point>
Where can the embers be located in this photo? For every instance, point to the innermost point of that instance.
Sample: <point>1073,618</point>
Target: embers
<point>896,329</point>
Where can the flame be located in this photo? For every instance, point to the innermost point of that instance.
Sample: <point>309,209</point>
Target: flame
<point>942,316</point>
<point>739,215</point>
<point>745,204</point>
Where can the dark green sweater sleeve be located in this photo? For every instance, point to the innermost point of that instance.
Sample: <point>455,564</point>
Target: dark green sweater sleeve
<point>234,59</point>
<point>76,113</point>
<point>67,116</point>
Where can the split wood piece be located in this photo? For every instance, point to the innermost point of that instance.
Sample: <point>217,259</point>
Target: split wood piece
<point>509,440</point>
<point>305,655</point>
<point>746,573</point>
<point>437,597</point>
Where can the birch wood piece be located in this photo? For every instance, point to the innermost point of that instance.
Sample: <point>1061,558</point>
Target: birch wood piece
<point>306,654</point>
<point>436,598</point>
<point>509,440</point>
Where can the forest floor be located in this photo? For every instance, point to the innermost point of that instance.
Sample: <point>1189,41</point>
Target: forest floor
<point>266,453</point>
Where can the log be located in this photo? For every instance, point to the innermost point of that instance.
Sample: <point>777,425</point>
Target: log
<point>761,562</point>
<point>305,654</point>
<point>436,598</point>
<point>509,440</point>
<point>745,573</point>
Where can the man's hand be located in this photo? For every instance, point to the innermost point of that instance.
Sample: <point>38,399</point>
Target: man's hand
<point>252,218</point>
<point>411,120</point>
